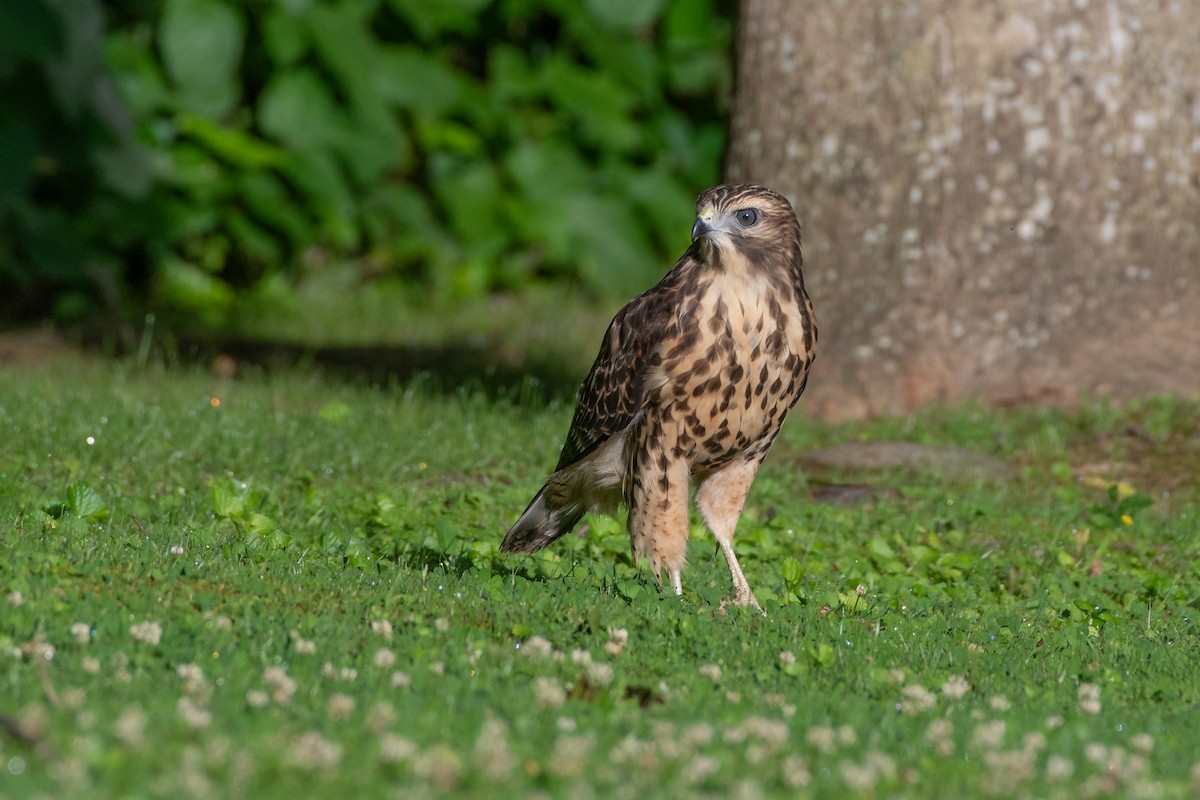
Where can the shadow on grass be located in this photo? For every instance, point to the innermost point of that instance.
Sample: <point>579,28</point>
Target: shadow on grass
<point>521,377</point>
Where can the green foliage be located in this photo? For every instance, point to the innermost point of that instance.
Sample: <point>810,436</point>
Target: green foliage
<point>83,502</point>
<point>187,151</point>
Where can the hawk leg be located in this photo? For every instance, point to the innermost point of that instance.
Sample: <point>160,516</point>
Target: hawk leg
<point>720,497</point>
<point>658,507</point>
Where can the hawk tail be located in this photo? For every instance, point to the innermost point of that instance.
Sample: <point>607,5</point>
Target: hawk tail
<point>542,523</point>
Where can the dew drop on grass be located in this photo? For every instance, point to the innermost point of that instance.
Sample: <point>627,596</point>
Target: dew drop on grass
<point>91,440</point>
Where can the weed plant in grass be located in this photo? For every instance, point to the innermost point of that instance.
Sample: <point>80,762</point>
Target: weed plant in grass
<point>280,586</point>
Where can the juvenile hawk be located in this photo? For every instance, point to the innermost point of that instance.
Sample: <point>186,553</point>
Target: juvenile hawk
<point>694,379</point>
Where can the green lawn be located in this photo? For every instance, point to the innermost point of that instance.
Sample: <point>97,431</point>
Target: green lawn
<point>287,586</point>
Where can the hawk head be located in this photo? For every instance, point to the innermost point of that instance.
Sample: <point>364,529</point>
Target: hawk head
<point>749,221</point>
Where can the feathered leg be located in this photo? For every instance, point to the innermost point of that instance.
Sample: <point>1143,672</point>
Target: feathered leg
<point>720,497</point>
<point>658,504</point>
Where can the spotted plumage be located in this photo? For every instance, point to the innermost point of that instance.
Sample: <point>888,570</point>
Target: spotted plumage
<point>693,380</point>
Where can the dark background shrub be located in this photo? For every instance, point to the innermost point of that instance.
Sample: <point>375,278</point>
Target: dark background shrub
<point>178,154</point>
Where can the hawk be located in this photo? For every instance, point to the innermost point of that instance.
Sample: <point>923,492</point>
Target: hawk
<point>693,380</point>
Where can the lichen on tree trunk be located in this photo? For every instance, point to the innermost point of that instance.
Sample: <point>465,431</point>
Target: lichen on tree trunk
<point>999,200</point>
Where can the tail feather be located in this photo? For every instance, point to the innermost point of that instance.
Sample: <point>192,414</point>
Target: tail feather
<point>541,524</point>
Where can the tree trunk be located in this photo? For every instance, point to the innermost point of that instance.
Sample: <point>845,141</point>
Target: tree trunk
<point>1000,200</point>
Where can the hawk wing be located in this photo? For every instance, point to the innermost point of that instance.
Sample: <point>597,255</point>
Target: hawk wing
<point>615,390</point>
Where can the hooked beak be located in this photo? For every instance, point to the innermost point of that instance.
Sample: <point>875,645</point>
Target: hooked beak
<point>700,227</point>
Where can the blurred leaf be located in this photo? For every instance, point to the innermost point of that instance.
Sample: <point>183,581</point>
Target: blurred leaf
<point>317,174</point>
<point>228,498</point>
<point>201,44</point>
<point>688,25</point>
<point>138,75</point>
<point>625,14</point>
<point>449,136</point>
<point>401,216</point>
<point>267,199</point>
<point>880,550</point>
<point>186,287</point>
<point>127,170</point>
<point>601,106</point>
<point>1133,503</point>
<point>445,16</point>
<point>253,241</point>
<point>510,75</point>
<point>695,61</point>
<point>668,207</point>
<point>85,502</point>
<point>470,191</point>
<point>614,256</point>
<point>298,109</point>
<point>335,412</point>
<point>547,176</point>
<point>413,79</point>
<point>352,54</point>
<point>823,653</point>
<point>792,572</point>
<point>237,147</point>
<point>285,37</point>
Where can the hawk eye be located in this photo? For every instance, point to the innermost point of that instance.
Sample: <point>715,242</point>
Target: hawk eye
<point>747,217</point>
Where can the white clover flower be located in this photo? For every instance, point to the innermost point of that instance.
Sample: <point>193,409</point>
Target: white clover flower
<point>955,687</point>
<point>549,693</point>
<point>917,698</point>
<point>536,647</point>
<point>1059,768</point>
<point>341,706</point>
<point>821,738</point>
<point>280,683</point>
<point>394,748</point>
<point>618,638</point>
<point>988,735</point>
<point>304,647</point>
<point>130,728</point>
<point>600,674</point>
<point>147,632</point>
<point>193,714</point>
<point>313,751</point>
<point>1142,742</point>
<point>82,632</point>
<point>1089,698</point>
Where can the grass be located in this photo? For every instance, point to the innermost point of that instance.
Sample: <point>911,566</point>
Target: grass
<point>280,586</point>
